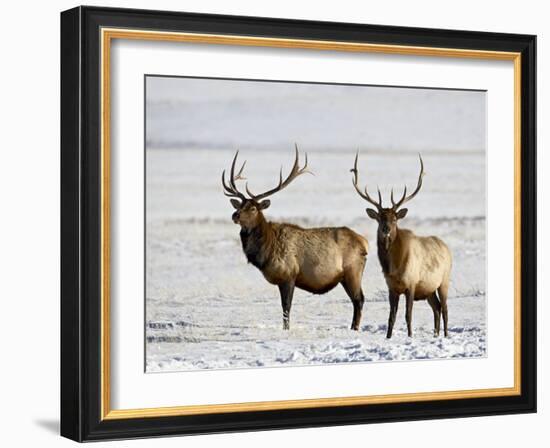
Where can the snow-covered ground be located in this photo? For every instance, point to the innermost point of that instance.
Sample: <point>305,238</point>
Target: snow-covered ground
<point>207,308</point>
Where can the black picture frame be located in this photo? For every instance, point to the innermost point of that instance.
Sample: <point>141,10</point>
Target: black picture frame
<point>81,224</point>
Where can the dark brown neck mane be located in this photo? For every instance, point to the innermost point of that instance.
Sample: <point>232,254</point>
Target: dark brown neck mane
<point>383,255</point>
<point>257,242</point>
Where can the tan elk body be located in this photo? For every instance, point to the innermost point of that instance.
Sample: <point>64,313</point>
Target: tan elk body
<point>315,260</point>
<point>418,267</point>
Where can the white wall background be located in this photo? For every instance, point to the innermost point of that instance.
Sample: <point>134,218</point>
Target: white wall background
<point>29,224</point>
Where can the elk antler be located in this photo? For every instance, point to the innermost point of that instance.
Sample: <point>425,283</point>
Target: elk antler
<point>294,173</point>
<point>405,198</point>
<point>232,190</point>
<point>364,195</point>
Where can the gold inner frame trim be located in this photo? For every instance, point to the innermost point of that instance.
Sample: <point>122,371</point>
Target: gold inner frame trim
<point>107,35</point>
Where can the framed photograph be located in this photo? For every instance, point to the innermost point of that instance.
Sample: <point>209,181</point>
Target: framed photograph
<point>273,223</point>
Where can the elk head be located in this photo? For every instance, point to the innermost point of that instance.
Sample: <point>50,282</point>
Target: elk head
<point>248,210</point>
<point>387,217</point>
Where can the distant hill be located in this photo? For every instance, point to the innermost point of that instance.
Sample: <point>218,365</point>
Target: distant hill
<point>204,113</point>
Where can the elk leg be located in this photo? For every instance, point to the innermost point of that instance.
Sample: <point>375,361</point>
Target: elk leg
<point>357,310</point>
<point>394,303</point>
<point>287,292</point>
<point>409,310</point>
<point>442,291</point>
<point>352,286</point>
<point>436,308</point>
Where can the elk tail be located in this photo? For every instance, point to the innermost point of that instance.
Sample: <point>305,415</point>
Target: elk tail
<point>365,245</point>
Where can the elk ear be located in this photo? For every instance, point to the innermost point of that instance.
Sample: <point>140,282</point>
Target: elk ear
<point>264,204</point>
<point>372,213</point>
<point>402,213</point>
<point>235,203</point>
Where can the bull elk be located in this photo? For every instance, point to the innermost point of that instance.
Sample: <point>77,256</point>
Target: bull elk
<point>418,267</point>
<point>315,260</point>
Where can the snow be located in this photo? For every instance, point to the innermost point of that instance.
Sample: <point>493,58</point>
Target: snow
<point>206,308</point>
<point>213,113</point>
